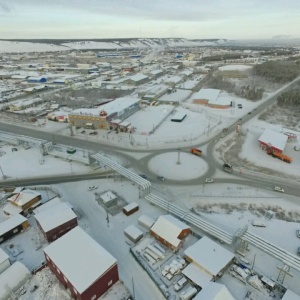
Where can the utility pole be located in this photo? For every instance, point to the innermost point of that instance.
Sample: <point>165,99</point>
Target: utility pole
<point>107,219</point>
<point>133,293</point>
<point>178,159</point>
<point>3,176</point>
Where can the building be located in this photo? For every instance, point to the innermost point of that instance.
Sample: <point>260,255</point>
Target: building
<point>48,205</point>
<point>170,231</point>
<point>4,261</point>
<point>214,291</point>
<point>37,79</point>
<point>25,199</point>
<point>171,81</point>
<point>12,279</point>
<point>109,199</point>
<point>274,140</point>
<point>12,227</point>
<point>137,79</point>
<point>84,267</point>
<point>204,96</point>
<point>178,117</point>
<point>106,116</point>
<point>56,221</point>
<point>155,73</point>
<point>207,261</point>
<point>130,209</point>
<point>153,92</point>
<point>23,104</point>
<point>133,233</point>
<point>146,221</point>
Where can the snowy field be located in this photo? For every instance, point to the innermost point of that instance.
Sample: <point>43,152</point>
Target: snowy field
<point>235,68</point>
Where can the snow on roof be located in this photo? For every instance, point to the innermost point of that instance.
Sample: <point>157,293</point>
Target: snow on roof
<point>55,216</point>
<point>169,228</point>
<point>138,77</point>
<point>146,220</point>
<point>174,79</point>
<point>179,115</point>
<point>23,197</point>
<point>209,255</point>
<point>214,291</point>
<point>11,223</point>
<point>80,258</point>
<point>196,275</point>
<point>3,256</point>
<point>115,106</point>
<point>155,72</point>
<point>11,209</point>
<point>207,94</point>
<point>18,190</point>
<point>130,206</point>
<point>108,196</point>
<point>289,295</point>
<point>155,89</point>
<point>13,278</point>
<point>133,231</point>
<point>178,96</point>
<point>276,139</point>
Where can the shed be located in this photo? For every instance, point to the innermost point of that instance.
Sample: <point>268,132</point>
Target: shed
<point>130,209</point>
<point>133,233</point>
<point>289,295</point>
<point>11,210</point>
<point>146,221</point>
<point>214,291</point>
<point>109,199</point>
<point>12,279</point>
<point>37,79</point>
<point>170,231</point>
<point>273,139</point>
<point>178,117</point>
<point>12,227</point>
<point>56,221</point>
<point>25,199</point>
<point>82,265</point>
<point>4,261</point>
<point>209,256</point>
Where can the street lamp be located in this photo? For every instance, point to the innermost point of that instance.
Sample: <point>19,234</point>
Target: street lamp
<point>178,158</point>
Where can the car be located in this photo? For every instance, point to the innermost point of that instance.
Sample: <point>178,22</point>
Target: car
<point>296,148</point>
<point>225,129</point>
<point>180,284</point>
<point>298,252</point>
<point>91,188</point>
<point>209,180</point>
<point>240,106</point>
<point>143,176</point>
<point>161,178</point>
<point>298,233</point>
<point>93,133</point>
<point>83,131</point>
<point>249,113</point>
<point>278,189</point>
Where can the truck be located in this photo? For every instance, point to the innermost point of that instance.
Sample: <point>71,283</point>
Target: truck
<point>196,151</point>
<point>279,155</point>
<point>227,168</point>
<point>188,293</point>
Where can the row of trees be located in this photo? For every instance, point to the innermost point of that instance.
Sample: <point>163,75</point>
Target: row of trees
<point>290,98</point>
<point>278,71</point>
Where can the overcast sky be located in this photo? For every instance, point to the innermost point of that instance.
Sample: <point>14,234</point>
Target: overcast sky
<point>197,19</point>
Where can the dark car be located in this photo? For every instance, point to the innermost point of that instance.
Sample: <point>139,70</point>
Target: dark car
<point>225,129</point>
<point>161,178</point>
<point>143,176</point>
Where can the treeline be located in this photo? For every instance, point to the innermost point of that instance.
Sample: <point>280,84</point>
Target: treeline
<point>278,71</point>
<point>248,92</point>
<point>290,98</point>
<point>221,57</point>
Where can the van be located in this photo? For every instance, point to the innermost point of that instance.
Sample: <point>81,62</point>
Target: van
<point>196,151</point>
<point>188,293</point>
<point>179,285</point>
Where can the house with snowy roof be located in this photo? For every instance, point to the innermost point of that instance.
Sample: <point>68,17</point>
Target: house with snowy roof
<point>83,266</point>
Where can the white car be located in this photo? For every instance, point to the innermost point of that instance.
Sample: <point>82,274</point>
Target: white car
<point>91,188</point>
<point>278,189</point>
<point>209,180</point>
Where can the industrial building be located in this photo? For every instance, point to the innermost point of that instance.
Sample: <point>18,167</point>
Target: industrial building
<point>133,233</point>
<point>210,97</point>
<point>170,231</point>
<point>214,291</point>
<point>137,79</point>
<point>207,261</point>
<point>107,116</point>
<point>83,266</point>
<point>274,140</point>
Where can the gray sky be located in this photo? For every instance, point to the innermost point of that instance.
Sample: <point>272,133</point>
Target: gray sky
<point>197,19</point>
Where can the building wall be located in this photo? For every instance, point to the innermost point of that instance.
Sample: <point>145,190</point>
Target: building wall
<point>11,233</point>
<point>4,265</point>
<point>200,101</point>
<point>29,203</point>
<point>130,212</point>
<point>97,289</point>
<point>163,241</point>
<point>59,231</point>
<point>184,233</point>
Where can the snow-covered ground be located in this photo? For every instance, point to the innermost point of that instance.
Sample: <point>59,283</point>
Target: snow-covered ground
<point>235,68</point>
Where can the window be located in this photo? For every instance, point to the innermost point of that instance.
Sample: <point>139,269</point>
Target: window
<point>109,283</point>
<point>15,230</point>
<point>66,280</point>
<point>75,291</point>
<point>58,270</point>
<point>94,297</point>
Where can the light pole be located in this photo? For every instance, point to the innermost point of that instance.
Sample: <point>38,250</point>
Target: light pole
<point>178,158</point>
<point>3,176</point>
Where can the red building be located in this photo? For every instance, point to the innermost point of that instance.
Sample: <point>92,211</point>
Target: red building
<point>84,267</point>
<point>56,221</point>
<point>170,231</point>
